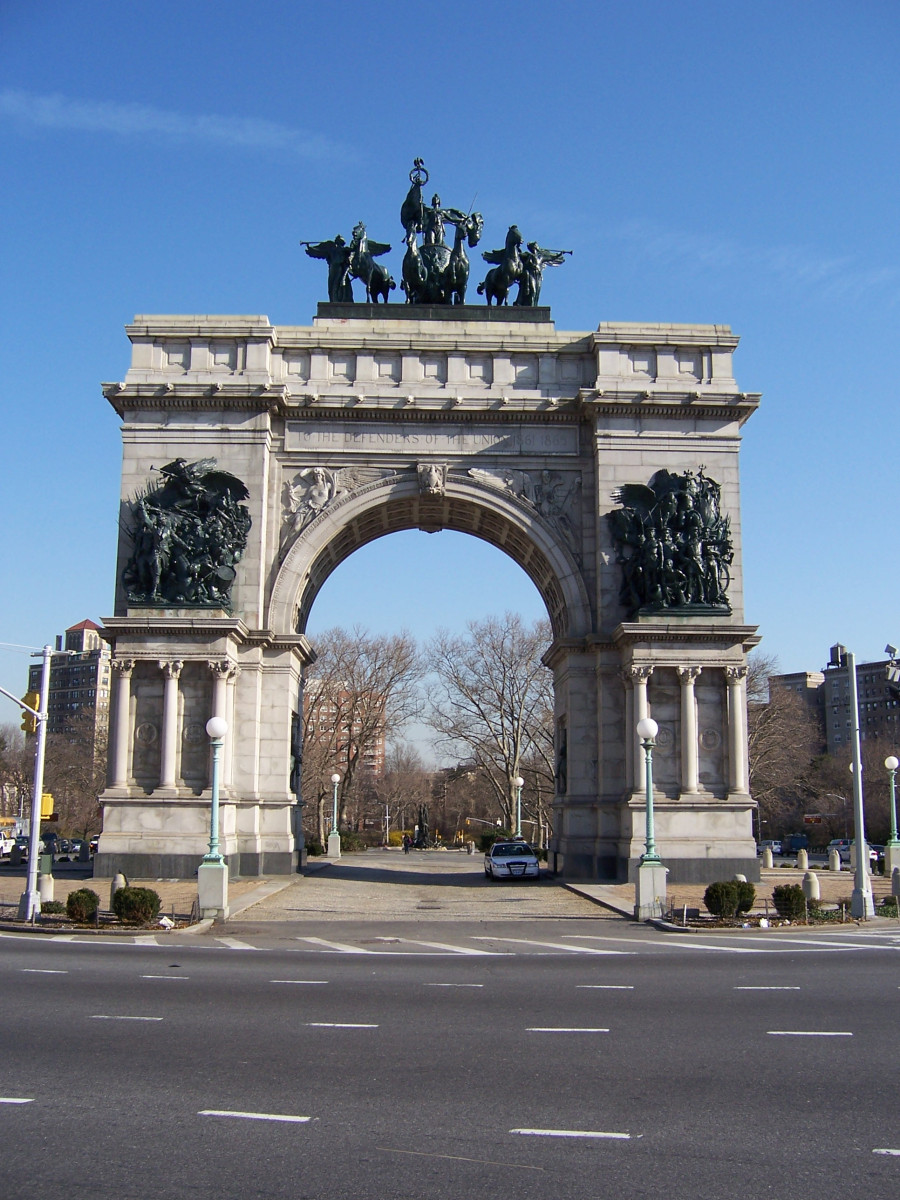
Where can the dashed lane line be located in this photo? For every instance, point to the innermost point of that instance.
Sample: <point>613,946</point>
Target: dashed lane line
<point>562,1029</point>
<point>253,1116</point>
<point>16,1100</point>
<point>110,1017</point>
<point>807,1033</point>
<point>41,971</point>
<point>576,1133</point>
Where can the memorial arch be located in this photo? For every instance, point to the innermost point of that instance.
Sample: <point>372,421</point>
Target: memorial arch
<point>595,459</point>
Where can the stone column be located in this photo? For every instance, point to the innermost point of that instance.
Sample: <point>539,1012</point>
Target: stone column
<point>625,676</point>
<point>690,765</point>
<point>169,749</point>
<point>639,710</point>
<point>224,673</point>
<point>737,728</point>
<point>124,739</point>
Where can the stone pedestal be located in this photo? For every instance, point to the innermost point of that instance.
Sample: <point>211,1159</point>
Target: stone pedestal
<point>334,845</point>
<point>212,889</point>
<point>811,886</point>
<point>650,891</point>
<point>891,858</point>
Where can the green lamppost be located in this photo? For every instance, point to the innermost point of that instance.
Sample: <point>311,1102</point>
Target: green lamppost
<point>892,849</point>
<point>212,874</point>
<point>334,838</point>
<point>650,887</point>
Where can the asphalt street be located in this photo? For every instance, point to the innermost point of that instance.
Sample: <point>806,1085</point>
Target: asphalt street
<point>563,1056</point>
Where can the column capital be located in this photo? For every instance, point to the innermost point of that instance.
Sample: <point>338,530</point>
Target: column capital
<point>223,668</point>
<point>124,666</point>
<point>735,674</point>
<point>639,674</point>
<point>688,675</point>
<point>171,668</point>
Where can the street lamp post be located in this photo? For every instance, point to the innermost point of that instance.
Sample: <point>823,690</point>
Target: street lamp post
<point>892,849</point>
<point>518,783</point>
<point>212,874</point>
<point>334,838</point>
<point>861,902</point>
<point>30,900</point>
<point>650,887</point>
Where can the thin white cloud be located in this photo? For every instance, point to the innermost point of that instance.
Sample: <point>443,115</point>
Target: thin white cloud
<point>142,120</point>
<point>839,278</point>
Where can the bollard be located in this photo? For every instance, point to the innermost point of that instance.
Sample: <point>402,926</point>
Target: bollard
<point>119,881</point>
<point>802,860</point>
<point>811,886</point>
<point>834,860</point>
<point>768,862</point>
<point>739,878</point>
<point>895,882</point>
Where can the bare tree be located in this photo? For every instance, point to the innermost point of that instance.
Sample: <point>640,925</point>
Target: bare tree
<point>405,785</point>
<point>75,773</point>
<point>490,700</point>
<point>16,772</point>
<point>784,741</point>
<point>362,690</point>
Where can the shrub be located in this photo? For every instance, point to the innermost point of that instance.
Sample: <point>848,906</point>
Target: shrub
<point>136,905</point>
<point>789,900</point>
<point>487,839</point>
<point>352,842</point>
<point>395,837</point>
<point>722,898</point>
<point>83,905</point>
<point>746,896</point>
<point>314,848</point>
<point>52,907</point>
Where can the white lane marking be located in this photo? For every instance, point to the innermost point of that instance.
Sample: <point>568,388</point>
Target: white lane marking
<point>574,1133</point>
<point>252,1116</point>
<point>165,977</point>
<point>607,987</point>
<point>446,946</point>
<point>552,945</point>
<point>896,1153</point>
<point>42,971</point>
<point>337,1025</point>
<point>308,982</point>
<point>806,1033</point>
<point>681,944</point>
<point>340,947</point>
<point>474,985</point>
<point>15,1100</point>
<point>562,1029</point>
<point>235,943</point>
<point>754,987</point>
<point>105,1017</point>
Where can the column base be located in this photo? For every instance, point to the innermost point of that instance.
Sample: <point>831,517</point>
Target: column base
<point>650,891</point>
<point>334,846</point>
<point>212,889</point>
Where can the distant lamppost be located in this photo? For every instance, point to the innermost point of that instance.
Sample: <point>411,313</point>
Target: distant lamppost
<point>334,838</point>
<point>650,887</point>
<point>518,784</point>
<point>212,874</point>
<point>861,902</point>
<point>892,849</point>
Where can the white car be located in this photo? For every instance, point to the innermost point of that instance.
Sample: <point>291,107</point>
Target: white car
<point>511,860</point>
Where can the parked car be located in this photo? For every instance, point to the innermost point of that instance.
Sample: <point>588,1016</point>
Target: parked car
<point>511,860</point>
<point>6,844</point>
<point>773,844</point>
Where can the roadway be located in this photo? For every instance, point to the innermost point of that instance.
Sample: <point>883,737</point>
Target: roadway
<point>441,1055</point>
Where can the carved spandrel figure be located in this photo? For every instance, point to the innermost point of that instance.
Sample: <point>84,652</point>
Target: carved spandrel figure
<point>672,543</point>
<point>189,532</point>
<point>337,254</point>
<point>534,259</point>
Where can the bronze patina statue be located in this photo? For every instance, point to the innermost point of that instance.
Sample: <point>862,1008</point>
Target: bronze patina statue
<point>189,533</point>
<point>673,543</point>
<point>433,273</point>
<point>337,254</point>
<point>534,259</point>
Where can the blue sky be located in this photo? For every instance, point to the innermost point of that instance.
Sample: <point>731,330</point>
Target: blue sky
<point>718,162</point>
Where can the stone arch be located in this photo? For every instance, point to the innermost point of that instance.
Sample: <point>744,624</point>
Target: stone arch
<point>465,506</point>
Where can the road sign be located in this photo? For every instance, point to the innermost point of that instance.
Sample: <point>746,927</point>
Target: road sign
<point>812,818</point>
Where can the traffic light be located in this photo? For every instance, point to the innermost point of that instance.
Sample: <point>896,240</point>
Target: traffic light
<point>29,720</point>
<point>46,805</point>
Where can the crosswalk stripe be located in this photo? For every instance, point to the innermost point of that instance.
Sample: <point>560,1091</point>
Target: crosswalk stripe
<point>445,946</point>
<point>236,944</point>
<point>553,945</point>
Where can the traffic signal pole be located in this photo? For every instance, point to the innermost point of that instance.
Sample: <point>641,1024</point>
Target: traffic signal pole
<point>30,902</point>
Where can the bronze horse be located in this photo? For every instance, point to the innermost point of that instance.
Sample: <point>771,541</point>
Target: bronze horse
<point>376,277</point>
<point>469,229</point>
<point>508,270</point>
